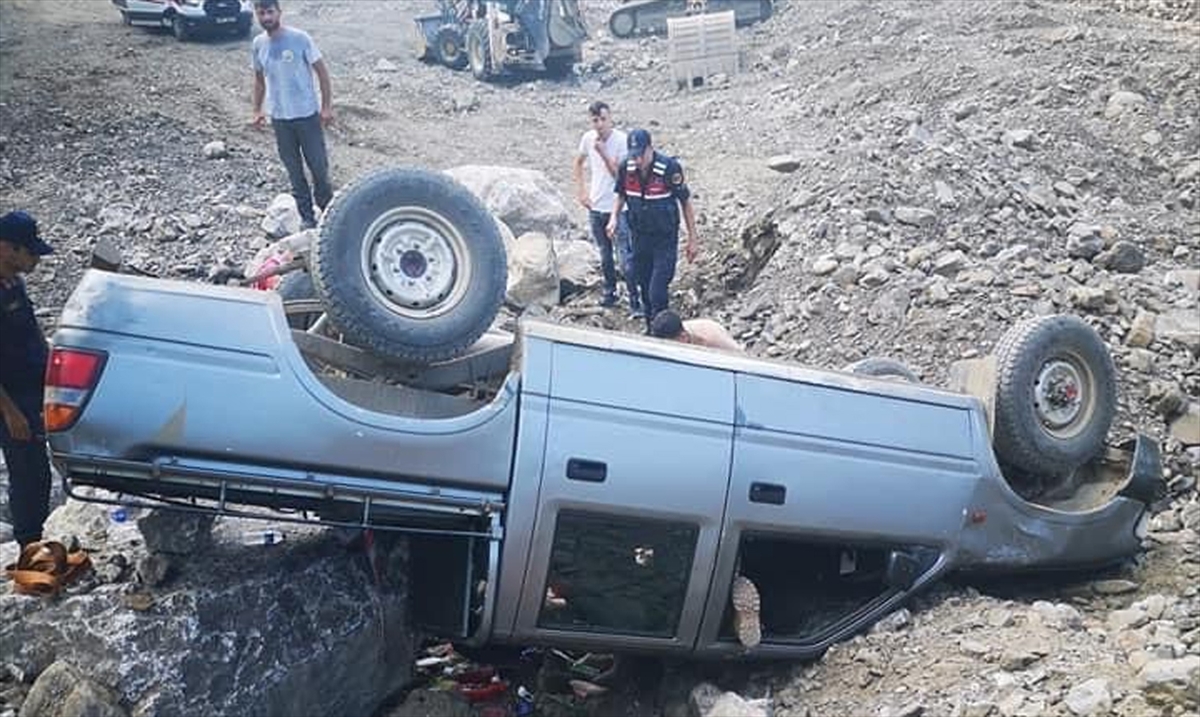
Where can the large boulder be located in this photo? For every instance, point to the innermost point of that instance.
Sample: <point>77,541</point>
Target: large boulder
<point>578,264</point>
<point>524,199</point>
<point>294,628</point>
<point>533,272</point>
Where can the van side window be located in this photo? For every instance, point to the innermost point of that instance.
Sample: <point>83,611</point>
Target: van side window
<point>617,575</point>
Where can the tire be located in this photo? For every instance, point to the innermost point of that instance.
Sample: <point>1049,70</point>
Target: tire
<point>243,28</point>
<point>881,367</point>
<point>1056,396</point>
<point>298,286</point>
<point>449,48</point>
<point>125,19</point>
<point>410,265</point>
<point>179,29</point>
<point>479,54</point>
<point>622,23</point>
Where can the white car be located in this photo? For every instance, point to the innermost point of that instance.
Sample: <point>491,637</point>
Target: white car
<point>189,18</point>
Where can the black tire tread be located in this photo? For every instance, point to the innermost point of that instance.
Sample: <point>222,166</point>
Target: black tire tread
<point>356,328</point>
<point>1017,438</point>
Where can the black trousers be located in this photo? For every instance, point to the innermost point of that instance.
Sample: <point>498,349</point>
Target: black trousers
<point>654,259</point>
<point>28,470</point>
<point>302,141</point>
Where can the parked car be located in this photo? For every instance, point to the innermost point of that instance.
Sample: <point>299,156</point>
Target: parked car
<point>190,18</point>
<point>578,487</point>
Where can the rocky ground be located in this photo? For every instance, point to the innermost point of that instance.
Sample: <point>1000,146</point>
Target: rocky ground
<point>883,178</point>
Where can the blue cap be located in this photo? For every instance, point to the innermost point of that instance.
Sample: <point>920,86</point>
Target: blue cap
<point>21,229</point>
<point>639,140</point>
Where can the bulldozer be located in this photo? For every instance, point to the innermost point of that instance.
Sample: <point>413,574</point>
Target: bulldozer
<point>649,17</point>
<point>496,38</point>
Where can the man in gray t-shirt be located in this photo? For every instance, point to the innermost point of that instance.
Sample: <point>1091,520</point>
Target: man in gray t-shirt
<point>284,61</point>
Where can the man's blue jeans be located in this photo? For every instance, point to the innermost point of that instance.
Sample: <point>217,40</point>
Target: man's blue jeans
<point>624,251</point>
<point>302,141</point>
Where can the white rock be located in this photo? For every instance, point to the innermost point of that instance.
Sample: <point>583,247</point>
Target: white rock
<point>915,216</point>
<point>784,163</point>
<point>524,199</point>
<point>731,704</point>
<point>1165,681</point>
<point>282,219</point>
<point>216,150</point>
<point>533,272</point>
<point>824,266</point>
<point>1121,102</point>
<point>1186,428</point>
<point>1180,325</point>
<point>1089,698</point>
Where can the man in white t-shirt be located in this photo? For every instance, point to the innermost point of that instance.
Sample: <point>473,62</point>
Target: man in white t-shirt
<point>602,149</point>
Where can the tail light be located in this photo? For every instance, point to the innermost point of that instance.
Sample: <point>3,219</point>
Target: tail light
<point>71,376</point>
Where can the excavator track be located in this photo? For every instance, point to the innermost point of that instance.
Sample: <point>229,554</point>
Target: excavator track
<point>649,17</point>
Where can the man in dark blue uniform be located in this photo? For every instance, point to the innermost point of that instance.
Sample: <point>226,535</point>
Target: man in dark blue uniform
<point>653,187</point>
<point>23,356</point>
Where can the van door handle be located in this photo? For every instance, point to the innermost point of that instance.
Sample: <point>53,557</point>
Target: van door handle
<point>769,493</point>
<point>587,471</point>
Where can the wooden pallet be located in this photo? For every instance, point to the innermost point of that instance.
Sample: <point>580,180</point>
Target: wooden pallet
<point>700,46</point>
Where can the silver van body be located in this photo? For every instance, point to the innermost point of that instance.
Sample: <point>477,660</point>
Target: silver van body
<point>609,490</point>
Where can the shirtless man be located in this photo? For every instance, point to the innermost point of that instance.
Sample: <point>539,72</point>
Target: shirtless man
<point>701,332</point>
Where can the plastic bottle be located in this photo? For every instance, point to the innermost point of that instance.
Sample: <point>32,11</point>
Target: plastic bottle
<point>524,706</point>
<point>266,536</point>
<point>119,514</point>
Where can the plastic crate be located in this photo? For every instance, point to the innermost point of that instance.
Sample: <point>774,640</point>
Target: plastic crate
<point>700,46</point>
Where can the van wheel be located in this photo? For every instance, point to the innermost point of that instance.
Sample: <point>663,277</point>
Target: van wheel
<point>883,368</point>
<point>1056,396</point>
<point>410,265</point>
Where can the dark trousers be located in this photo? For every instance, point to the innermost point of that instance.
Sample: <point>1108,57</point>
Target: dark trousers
<point>28,471</point>
<point>599,225</point>
<point>654,260</point>
<point>302,141</point>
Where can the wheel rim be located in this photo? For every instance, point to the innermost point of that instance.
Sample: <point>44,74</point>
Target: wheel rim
<point>177,27</point>
<point>622,24</point>
<point>415,262</point>
<point>450,49</point>
<point>1063,396</point>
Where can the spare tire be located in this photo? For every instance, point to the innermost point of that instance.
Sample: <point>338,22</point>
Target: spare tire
<point>1056,396</point>
<point>409,265</point>
<point>882,368</point>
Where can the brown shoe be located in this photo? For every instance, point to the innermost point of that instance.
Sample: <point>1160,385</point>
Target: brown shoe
<point>746,605</point>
